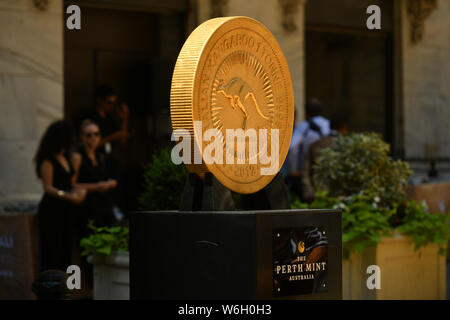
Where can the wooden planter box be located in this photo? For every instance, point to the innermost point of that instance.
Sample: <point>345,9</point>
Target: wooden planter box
<point>111,276</point>
<point>405,274</point>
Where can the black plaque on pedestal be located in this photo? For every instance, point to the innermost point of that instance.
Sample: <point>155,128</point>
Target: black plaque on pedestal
<point>236,254</point>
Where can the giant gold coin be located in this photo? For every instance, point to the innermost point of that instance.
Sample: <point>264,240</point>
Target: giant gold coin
<point>232,75</point>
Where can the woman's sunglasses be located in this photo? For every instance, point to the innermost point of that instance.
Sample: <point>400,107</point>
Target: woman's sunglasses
<point>92,134</point>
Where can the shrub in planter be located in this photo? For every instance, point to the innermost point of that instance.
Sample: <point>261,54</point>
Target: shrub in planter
<point>105,240</point>
<point>424,228</point>
<point>365,222</point>
<point>357,176</point>
<point>107,248</point>
<point>163,183</point>
<point>360,162</point>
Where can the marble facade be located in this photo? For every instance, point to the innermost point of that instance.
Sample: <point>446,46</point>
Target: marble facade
<point>426,83</point>
<point>31,90</point>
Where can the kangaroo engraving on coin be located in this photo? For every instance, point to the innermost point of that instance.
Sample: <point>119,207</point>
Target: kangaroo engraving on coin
<point>232,76</point>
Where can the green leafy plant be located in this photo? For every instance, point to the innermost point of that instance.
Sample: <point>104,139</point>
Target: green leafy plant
<point>322,200</point>
<point>424,227</point>
<point>105,240</point>
<point>163,183</point>
<point>363,221</point>
<point>358,177</point>
<point>360,161</point>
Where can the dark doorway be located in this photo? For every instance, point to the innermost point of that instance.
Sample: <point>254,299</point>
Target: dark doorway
<point>135,53</point>
<point>348,67</point>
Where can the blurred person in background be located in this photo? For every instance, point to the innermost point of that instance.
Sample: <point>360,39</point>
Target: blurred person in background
<point>313,128</point>
<point>111,119</point>
<point>339,126</point>
<point>94,173</point>
<point>56,211</point>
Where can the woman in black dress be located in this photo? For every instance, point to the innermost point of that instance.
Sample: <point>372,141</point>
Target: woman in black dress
<point>93,174</point>
<point>56,209</point>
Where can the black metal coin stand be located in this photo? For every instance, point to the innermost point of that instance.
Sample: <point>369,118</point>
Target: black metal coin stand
<point>210,195</point>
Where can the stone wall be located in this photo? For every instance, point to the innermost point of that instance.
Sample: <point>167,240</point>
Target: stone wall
<point>426,83</point>
<point>270,13</point>
<point>31,90</point>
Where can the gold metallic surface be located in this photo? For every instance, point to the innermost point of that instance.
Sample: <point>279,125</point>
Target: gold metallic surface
<point>232,74</point>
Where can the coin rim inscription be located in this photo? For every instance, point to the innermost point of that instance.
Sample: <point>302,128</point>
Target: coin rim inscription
<point>220,34</point>
<point>283,94</point>
<point>186,87</point>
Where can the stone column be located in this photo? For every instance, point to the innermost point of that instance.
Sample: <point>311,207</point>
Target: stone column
<point>426,77</point>
<point>284,18</point>
<point>31,89</point>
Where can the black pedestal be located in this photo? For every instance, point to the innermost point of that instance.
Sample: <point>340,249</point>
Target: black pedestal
<point>236,254</point>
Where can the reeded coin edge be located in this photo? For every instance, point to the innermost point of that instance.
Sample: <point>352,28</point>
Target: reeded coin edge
<point>183,90</point>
